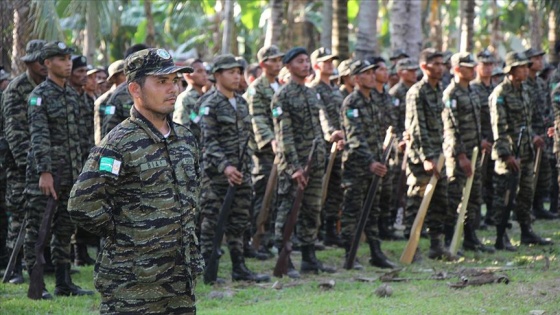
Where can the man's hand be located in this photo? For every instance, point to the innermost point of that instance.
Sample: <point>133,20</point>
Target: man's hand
<point>336,136</point>
<point>465,164</point>
<point>46,185</point>
<point>378,169</point>
<point>233,175</point>
<point>340,145</point>
<point>512,163</point>
<point>538,142</point>
<point>402,146</point>
<point>300,179</point>
<point>274,146</point>
<point>550,132</point>
<point>405,136</point>
<point>430,168</point>
<point>486,146</point>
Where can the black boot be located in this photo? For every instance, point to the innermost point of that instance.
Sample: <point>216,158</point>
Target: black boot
<point>386,230</point>
<point>81,256</point>
<point>502,240</point>
<point>17,274</point>
<point>292,271</point>
<point>539,211</point>
<point>331,236</point>
<point>378,259</point>
<point>448,232</point>
<point>356,265</point>
<point>64,285</point>
<point>310,263</point>
<point>529,237</point>
<point>437,251</point>
<point>240,272</point>
<point>471,241</point>
<point>45,295</point>
<point>249,251</point>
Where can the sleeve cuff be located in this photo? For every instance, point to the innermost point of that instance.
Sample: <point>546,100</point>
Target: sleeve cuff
<point>222,166</point>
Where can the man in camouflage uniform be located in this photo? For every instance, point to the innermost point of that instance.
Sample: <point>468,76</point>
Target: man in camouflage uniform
<point>185,112</point>
<point>345,78</point>
<point>322,62</point>
<point>425,126</point>
<point>226,129</point>
<point>362,125</point>
<point>462,133</point>
<point>555,134</point>
<point>297,125</point>
<point>259,95</point>
<point>510,110</point>
<point>116,77</point>
<point>16,132</point>
<point>482,85</point>
<point>397,55</point>
<point>4,253</point>
<point>55,119</point>
<point>139,190</point>
<point>542,119</point>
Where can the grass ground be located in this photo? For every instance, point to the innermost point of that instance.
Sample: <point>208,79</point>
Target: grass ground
<point>534,286</point>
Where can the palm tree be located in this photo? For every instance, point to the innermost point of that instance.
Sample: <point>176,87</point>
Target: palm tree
<point>467,25</point>
<point>21,33</point>
<point>274,27</point>
<point>150,29</point>
<point>340,29</point>
<point>535,24</point>
<point>326,34</point>
<point>366,43</point>
<point>435,24</point>
<point>228,27</point>
<point>406,26</point>
<point>6,37</point>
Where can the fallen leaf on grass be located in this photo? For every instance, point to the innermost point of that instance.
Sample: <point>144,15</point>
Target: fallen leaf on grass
<point>480,280</point>
<point>327,285</point>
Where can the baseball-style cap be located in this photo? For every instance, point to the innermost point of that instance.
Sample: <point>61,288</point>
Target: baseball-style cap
<point>485,56</point>
<point>242,62</point>
<point>360,66</point>
<point>78,62</point>
<point>269,52</point>
<point>344,67</point>
<point>92,70</point>
<point>398,53</point>
<point>515,59</point>
<point>55,48</point>
<point>225,62</point>
<point>115,68</point>
<point>532,52</point>
<point>292,53</point>
<point>322,54</point>
<point>407,64</point>
<point>429,54</point>
<point>33,50</point>
<point>151,61</point>
<point>463,59</point>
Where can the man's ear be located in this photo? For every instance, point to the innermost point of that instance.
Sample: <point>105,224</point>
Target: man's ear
<point>423,66</point>
<point>134,89</point>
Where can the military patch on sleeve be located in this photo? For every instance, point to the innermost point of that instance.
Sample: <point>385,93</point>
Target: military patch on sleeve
<point>352,113</point>
<point>251,91</point>
<point>452,103</point>
<point>35,101</point>
<point>396,101</point>
<point>194,117</point>
<point>500,100</point>
<point>318,96</point>
<point>110,165</point>
<point>557,98</point>
<point>109,110</point>
<point>204,111</point>
<point>276,112</point>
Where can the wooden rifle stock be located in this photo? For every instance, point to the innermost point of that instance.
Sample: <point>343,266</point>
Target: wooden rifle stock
<point>264,212</point>
<point>327,177</point>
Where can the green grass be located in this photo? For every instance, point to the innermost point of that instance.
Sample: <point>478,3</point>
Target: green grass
<point>532,286</point>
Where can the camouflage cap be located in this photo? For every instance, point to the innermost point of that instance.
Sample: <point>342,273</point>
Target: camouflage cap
<point>4,75</point>
<point>33,50</point>
<point>532,52</point>
<point>269,52</point>
<point>92,70</point>
<point>497,71</point>
<point>322,54</point>
<point>485,56</point>
<point>55,48</point>
<point>115,68</point>
<point>292,53</point>
<point>151,61</point>
<point>242,62</point>
<point>447,56</point>
<point>398,53</point>
<point>463,59</point>
<point>407,64</point>
<point>224,62</point>
<point>344,67</point>
<point>360,66</point>
<point>515,59</point>
<point>429,54</point>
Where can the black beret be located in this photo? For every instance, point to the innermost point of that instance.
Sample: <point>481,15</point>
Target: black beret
<point>292,53</point>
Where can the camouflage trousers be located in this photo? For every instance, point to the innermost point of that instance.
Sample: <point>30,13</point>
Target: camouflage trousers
<point>544,179</point>
<point>61,228</point>
<point>438,211</point>
<point>333,202</point>
<point>488,189</point>
<point>309,215</point>
<point>396,170</point>
<point>355,193</point>
<point>15,201</point>
<point>524,196</point>
<point>212,198</point>
<point>455,194</point>
<point>262,165</point>
<point>387,199</point>
<point>4,252</point>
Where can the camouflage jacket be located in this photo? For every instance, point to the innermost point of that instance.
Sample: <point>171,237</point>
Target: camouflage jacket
<point>225,130</point>
<point>332,102</point>
<point>99,112</point>
<point>55,120</point>
<point>295,109</point>
<point>387,115</point>
<point>483,93</point>
<point>259,96</point>
<point>14,112</point>
<point>140,192</point>
<point>185,113</point>
<point>510,109</point>
<point>117,109</point>
<point>363,134</point>
<point>343,91</point>
<point>556,108</point>
<point>87,129</point>
<point>398,97</point>
<point>423,121</point>
<point>538,94</point>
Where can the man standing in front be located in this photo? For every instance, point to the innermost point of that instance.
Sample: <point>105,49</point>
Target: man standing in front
<point>139,191</point>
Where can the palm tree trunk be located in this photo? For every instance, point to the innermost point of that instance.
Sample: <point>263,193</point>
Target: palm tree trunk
<point>552,37</point>
<point>496,37</point>
<point>326,35</point>
<point>92,28</point>
<point>366,43</point>
<point>274,27</point>
<point>435,25</point>
<point>22,30</point>
<point>406,27</point>
<point>535,24</point>
<point>467,25</point>
<point>6,37</point>
<point>228,27</point>
<point>340,29</point>
<point>150,29</point>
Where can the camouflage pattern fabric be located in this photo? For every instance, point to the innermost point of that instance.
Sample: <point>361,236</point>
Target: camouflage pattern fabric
<point>343,91</point>
<point>185,113</point>
<point>140,191</point>
<point>398,95</point>
<point>99,112</point>
<point>3,215</point>
<point>117,109</point>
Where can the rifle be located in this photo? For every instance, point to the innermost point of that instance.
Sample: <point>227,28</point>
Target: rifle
<point>454,247</point>
<point>283,261</point>
<point>211,271</point>
<point>265,207</point>
<point>36,281</point>
<point>401,188</point>
<point>327,176</point>
<point>412,245</point>
<point>370,197</point>
<point>536,168</point>
<point>483,166</point>
<point>511,192</point>
<point>15,251</point>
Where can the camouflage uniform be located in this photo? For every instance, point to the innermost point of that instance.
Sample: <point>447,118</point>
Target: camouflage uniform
<point>185,113</point>
<point>3,215</point>
<point>556,109</point>
<point>117,109</point>
<point>99,112</point>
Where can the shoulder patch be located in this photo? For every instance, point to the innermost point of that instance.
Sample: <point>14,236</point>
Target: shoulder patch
<point>451,103</point>
<point>35,101</point>
<point>110,165</point>
<point>204,110</point>
<point>500,100</point>
<point>557,98</point>
<point>251,91</point>
<point>276,112</point>
<point>396,101</point>
<point>109,110</point>
<point>352,113</point>
<point>318,96</point>
<point>194,117</point>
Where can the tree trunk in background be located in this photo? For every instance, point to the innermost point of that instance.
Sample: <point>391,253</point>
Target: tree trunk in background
<point>467,25</point>
<point>435,25</point>
<point>150,29</point>
<point>496,37</point>
<point>406,27</point>
<point>274,28</point>
<point>535,24</point>
<point>552,38</point>
<point>6,37</point>
<point>366,43</point>
<point>92,29</point>
<point>309,32</point>
<point>326,35</point>
<point>297,23</point>
<point>228,27</point>
<point>21,33</point>
<point>340,29</point>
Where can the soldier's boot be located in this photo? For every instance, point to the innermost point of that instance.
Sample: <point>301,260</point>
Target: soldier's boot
<point>45,295</point>
<point>386,230</point>
<point>378,259</point>
<point>292,271</point>
<point>417,256</point>
<point>310,263</point>
<point>437,251</point>
<point>357,265</point>
<point>331,236</point>
<point>554,203</point>
<point>81,256</point>
<point>240,272</point>
<point>49,266</point>
<point>249,251</point>
<point>64,285</point>
<point>471,241</point>
<point>529,237</point>
<point>502,240</point>
<point>448,232</point>
<point>539,211</point>
<point>17,274</point>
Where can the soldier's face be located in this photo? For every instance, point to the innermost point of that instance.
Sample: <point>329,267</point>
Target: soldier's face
<point>537,63</point>
<point>199,77</point>
<point>38,69</point>
<point>60,66</point>
<point>158,95</point>
<point>381,73</point>
<point>349,81</point>
<point>325,67</point>
<point>408,76</point>
<point>434,68</point>
<point>91,83</point>
<point>229,78</point>
<point>366,79</point>
<point>484,69</point>
<point>79,76</point>
<point>520,73</point>
<point>466,73</point>
<point>299,66</point>
<point>272,66</point>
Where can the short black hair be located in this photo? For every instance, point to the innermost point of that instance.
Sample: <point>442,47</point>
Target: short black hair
<point>191,61</point>
<point>140,81</point>
<point>252,69</point>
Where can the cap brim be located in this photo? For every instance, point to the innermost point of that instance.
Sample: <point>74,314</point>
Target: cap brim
<point>30,58</point>
<point>172,69</point>
<point>328,57</point>
<point>273,56</point>
<point>467,64</point>
<point>92,71</point>
<point>114,74</point>
<point>365,69</point>
<point>399,56</point>
<point>227,66</point>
